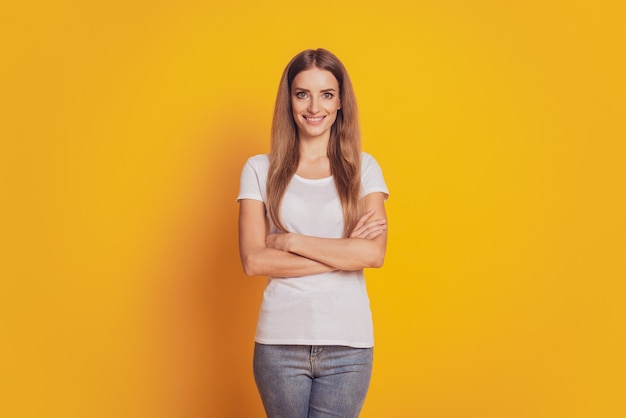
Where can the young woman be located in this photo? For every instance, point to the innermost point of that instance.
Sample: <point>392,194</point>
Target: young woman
<point>312,217</point>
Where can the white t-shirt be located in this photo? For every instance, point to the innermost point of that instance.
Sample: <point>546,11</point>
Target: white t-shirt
<point>321,309</point>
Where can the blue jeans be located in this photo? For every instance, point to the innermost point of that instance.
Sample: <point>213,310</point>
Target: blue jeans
<point>303,381</point>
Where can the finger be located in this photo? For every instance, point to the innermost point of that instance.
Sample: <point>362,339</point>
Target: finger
<point>364,218</point>
<point>357,232</point>
<point>369,228</point>
<point>374,234</point>
<point>375,231</point>
<point>358,228</point>
<point>379,223</point>
<point>368,213</point>
<point>269,240</point>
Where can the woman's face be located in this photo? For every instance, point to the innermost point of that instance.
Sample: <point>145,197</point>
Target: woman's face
<point>314,102</point>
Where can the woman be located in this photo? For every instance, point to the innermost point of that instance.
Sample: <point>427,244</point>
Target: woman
<point>323,202</point>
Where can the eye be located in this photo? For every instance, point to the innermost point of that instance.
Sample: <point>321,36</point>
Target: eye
<point>328,95</point>
<point>301,95</point>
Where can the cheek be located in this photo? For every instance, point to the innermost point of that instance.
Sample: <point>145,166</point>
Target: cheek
<point>334,117</point>
<point>296,107</point>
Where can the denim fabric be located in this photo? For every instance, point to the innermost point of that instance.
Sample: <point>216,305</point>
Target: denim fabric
<point>303,381</point>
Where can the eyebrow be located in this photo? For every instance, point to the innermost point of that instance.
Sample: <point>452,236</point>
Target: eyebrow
<point>308,91</point>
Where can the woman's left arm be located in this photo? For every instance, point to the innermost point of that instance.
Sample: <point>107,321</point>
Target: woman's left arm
<point>364,248</point>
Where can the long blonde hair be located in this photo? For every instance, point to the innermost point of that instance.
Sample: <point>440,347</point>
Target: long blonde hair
<point>344,146</point>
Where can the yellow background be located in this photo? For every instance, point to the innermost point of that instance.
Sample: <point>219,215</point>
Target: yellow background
<point>500,129</point>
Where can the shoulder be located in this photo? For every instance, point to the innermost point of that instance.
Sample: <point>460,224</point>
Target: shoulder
<point>258,163</point>
<point>260,159</point>
<point>368,162</point>
<point>372,179</point>
<point>253,178</point>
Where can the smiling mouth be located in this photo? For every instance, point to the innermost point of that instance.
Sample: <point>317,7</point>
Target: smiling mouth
<point>314,118</point>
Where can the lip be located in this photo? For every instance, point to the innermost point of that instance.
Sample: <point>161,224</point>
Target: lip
<point>314,120</point>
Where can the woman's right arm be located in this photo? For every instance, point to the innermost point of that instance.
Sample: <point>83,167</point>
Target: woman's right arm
<point>259,260</point>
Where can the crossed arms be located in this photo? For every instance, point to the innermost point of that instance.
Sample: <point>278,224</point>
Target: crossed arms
<point>290,254</point>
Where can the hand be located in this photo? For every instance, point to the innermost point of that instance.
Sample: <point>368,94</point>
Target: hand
<point>369,229</point>
<point>278,241</point>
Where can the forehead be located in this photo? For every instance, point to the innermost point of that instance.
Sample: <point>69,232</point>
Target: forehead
<point>315,79</point>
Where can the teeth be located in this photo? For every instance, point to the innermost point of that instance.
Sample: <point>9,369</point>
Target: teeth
<point>314,119</point>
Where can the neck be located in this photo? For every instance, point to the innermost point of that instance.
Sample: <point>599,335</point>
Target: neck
<point>313,148</point>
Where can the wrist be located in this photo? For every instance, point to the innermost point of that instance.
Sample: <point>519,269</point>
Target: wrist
<point>291,242</point>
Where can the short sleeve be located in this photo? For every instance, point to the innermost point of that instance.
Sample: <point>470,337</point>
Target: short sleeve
<point>372,179</point>
<point>253,178</point>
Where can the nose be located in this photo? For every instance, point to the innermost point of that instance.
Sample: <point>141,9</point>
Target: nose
<point>313,105</point>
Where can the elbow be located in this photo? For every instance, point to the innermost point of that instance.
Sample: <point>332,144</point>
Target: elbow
<point>376,260</point>
<point>250,266</point>
<point>372,256</point>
